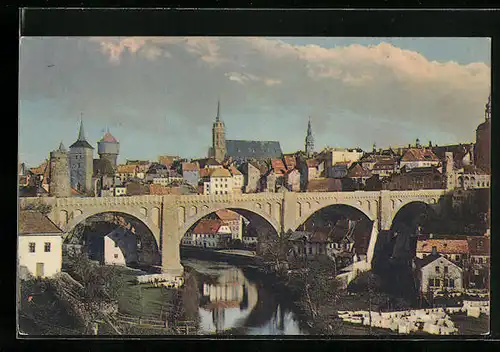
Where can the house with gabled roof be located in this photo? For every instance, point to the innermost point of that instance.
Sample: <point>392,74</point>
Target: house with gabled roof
<point>39,245</point>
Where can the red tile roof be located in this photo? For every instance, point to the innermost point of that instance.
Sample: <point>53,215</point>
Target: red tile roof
<point>235,171</point>
<point>443,246</point>
<point>39,170</point>
<point>419,154</point>
<point>385,165</point>
<point>277,164</point>
<point>207,226</point>
<point>33,223</point>
<point>108,137</point>
<point>205,172</point>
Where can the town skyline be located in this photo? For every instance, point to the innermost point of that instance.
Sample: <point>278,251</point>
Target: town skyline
<point>254,104</point>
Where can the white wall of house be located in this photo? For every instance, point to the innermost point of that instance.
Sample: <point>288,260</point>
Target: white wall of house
<point>218,185</point>
<point>206,240</point>
<point>443,273</point>
<point>120,248</point>
<point>50,260</point>
<point>420,163</point>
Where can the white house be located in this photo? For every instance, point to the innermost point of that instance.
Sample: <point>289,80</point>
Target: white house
<point>39,245</point>
<point>116,191</point>
<point>120,247</point>
<point>435,272</point>
<point>233,220</point>
<point>208,233</point>
<point>218,182</point>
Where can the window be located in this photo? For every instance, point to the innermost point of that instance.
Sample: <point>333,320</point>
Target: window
<point>116,256</point>
<point>451,283</point>
<point>446,270</point>
<point>457,257</point>
<point>47,247</point>
<point>310,250</point>
<point>431,282</point>
<point>225,186</point>
<point>226,192</point>
<point>480,260</point>
<point>216,192</point>
<point>437,269</point>
<point>32,247</point>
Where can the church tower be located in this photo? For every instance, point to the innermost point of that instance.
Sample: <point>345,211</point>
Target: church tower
<point>59,180</point>
<point>309,140</point>
<point>81,162</point>
<point>218,150</point>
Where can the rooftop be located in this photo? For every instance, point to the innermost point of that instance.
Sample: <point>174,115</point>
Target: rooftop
<point>253,149</point>
<point>207,226</point>
<point>108,138</point>
<point>419,154</point>
<point>227,215</point>
<point>190,167</point>
<point>34,223</point>
<point>444,246</point>
<point>220,172</point>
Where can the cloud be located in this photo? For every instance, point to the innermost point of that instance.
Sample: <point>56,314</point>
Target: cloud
<point>268,81</point>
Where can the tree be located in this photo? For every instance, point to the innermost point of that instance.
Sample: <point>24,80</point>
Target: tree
<point>275,250</point>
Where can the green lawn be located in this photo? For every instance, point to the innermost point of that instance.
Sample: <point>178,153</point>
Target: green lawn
<point>141,300</point>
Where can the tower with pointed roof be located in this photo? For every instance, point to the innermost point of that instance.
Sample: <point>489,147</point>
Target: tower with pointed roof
<point>59,178</point>
<point>109,148</point>
<point>309,140</point>
<point>218,150</point>
<point>81,162</point>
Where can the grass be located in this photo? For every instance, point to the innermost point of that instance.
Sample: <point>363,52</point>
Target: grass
<point>143,301</point>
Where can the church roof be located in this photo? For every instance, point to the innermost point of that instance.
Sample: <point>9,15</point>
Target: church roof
<point>81,142</point>
<point>253,149</point>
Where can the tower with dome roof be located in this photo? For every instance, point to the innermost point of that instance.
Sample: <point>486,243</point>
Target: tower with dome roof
<point>109,148</point>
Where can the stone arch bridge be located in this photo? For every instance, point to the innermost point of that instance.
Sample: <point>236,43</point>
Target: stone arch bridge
<point>169,217</point>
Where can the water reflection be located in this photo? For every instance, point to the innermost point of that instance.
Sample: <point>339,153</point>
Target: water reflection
<point>230,302</point>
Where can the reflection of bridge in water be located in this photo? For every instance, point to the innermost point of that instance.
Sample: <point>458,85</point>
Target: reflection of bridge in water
<point>169,217</point>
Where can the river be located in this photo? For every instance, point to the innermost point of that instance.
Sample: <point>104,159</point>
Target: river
<point>238,300</point>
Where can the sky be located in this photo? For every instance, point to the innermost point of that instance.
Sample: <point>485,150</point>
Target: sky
<point>158,95</point>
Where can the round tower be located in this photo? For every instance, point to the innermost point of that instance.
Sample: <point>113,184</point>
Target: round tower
<point>483,140</point>
<point>109,148</point>
<point>59,179</point>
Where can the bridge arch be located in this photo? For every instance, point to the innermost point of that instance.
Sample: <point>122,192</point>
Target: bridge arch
<point>245,211</point>
<point>305,214</point>
<point>136,214</point>
<point>431,203</point>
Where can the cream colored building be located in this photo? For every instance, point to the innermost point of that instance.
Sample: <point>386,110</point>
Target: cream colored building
<point>333,156</point>
<point>238,180</point>
<point>39,245</point>
<point>220,181</point>
<point>120,248</point>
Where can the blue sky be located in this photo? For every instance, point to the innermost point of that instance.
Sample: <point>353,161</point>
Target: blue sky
<point>159,95</point>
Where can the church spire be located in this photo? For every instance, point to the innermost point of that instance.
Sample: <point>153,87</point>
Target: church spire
<point>217,118</point>
<point>309,140</point>
<point>487,112</point>
<point>81,132</point>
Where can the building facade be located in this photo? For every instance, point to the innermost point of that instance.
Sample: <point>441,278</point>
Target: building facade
<point>436,273</point>
<point>483,140</point>
<point>218,150</point>
<point>39,246</point>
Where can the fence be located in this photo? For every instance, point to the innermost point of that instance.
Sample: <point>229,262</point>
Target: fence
<point>180,327</point>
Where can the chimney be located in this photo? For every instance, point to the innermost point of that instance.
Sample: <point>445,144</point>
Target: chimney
<point>434,250</point>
